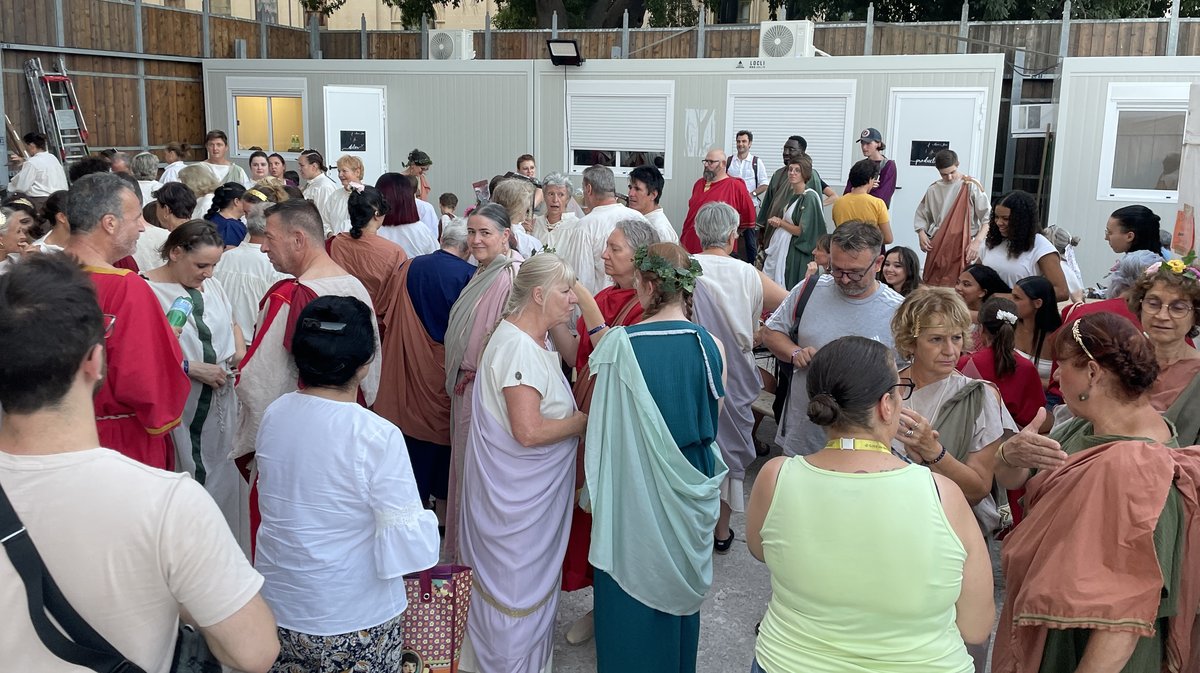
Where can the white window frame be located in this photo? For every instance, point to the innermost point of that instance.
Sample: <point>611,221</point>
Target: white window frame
<point>623,88</point>
<point>796,89</point>
<point>1136,97</point>
<point>270,87</point>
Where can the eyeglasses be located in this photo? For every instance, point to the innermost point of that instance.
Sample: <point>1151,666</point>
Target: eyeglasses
<point>110,321</point>
<point>1176,309</point>
<point>852,276</point>
<point>710,161</point>
<point>905,386</point>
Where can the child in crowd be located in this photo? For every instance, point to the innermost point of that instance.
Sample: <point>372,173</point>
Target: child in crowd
<point>449,204</point>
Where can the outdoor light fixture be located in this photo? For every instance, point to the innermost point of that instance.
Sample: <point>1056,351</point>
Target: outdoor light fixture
<point>564,52</point>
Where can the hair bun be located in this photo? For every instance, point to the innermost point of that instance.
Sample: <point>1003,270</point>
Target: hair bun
<point>823,409</point>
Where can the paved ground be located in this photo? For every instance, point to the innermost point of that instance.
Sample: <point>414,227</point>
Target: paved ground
<point>737,601</point>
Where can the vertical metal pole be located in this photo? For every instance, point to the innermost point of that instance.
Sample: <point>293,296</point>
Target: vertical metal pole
<point>139,46</point>
<point>205,38</point>
<point>1064,35</point>
<point>554,25</point>
<point>314,37</point>
<point>262,33</point>
<point>1014,99</point>
<point>362,36</point>
<point>424,37</point>
<point>964,28</point>
<point>625,35</point>
<point>1173,30</point>
<point>700,53</point>
<point>869,38</point>
<point>60,25</point>
<point>3,136</point>
<point>487,35</point>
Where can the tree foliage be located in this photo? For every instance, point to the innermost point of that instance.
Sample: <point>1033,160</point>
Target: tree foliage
<point>411,11</point>
<point>322,7</point>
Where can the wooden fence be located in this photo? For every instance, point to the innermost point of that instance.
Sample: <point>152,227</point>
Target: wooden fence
<point>100,44</point>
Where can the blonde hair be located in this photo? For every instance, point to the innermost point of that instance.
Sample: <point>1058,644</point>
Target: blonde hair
<point>929,307</point>
<point>199,179</point>
<point>353,163</point>
<point>517,198</point>
<point>273,187</point>
<point>542,270</point>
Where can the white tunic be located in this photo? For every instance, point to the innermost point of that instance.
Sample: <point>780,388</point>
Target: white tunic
<point>318,190</point>
<point>246,274</point>
<point>171,172</point>
<point>585,251</point>
<point>413,237</point>
<point>548,233</point>
<point>662,226</point>
<point>429,216</point>
<point>148,254</point>
<point>41,175</point>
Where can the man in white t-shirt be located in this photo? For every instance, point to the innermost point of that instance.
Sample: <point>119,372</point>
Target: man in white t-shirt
<point>748,167</point>
<point>592,230</point>
<point>645,190</point>
<point>131,547</point>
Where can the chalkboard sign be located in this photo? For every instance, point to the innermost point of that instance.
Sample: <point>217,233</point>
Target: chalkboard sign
<point>354,141</point>
<point>922,151</point>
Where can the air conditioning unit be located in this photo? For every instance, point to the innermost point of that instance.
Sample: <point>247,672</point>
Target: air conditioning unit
<point>1032,121</point>
<point>451,45</point>
<point>785,39</point>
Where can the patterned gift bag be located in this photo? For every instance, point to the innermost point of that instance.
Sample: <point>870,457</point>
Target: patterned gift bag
<point>436,619</point>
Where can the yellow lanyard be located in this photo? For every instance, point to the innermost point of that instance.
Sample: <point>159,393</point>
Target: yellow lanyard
<point>848,444</point>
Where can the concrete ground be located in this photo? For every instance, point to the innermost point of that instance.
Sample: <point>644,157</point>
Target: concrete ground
<point>737,601</point>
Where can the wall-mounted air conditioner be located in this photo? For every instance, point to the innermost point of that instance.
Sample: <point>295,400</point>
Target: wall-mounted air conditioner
<point>1032,121</point>
<point>451,45</point>
<point>785,39</point>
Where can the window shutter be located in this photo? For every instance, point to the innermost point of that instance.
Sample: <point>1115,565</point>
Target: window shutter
<point>618,122</point>
<point>821,119</point>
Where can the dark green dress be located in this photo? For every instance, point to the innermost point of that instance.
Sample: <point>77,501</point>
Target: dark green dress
<point>1064,647</point>
<point>685,383</point>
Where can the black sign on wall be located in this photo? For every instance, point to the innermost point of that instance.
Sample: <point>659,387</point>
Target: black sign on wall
<point>354,141</point>
<point>922,151</point>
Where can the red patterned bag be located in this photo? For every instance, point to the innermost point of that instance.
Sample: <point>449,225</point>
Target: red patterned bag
<point>436,619</point>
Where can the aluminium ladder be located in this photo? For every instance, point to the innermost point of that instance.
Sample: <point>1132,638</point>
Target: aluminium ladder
<point>56,108</point>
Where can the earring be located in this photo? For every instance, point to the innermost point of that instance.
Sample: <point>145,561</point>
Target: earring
<point>1083,397</point>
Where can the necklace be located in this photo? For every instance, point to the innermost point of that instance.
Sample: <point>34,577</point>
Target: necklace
<point>855,444</point>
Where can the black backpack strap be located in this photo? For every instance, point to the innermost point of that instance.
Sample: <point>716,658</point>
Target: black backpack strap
<point>81,645</point>
<point>798,312</point>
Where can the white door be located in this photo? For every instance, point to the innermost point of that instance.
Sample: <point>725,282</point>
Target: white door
<point>922,121</point>
<point>356,124</point>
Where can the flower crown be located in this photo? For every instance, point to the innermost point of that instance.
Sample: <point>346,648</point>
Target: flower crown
<point>1185,267</point>
<point>671,278</point>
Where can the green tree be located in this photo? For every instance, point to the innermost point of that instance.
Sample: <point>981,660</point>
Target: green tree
<point>322,7</point>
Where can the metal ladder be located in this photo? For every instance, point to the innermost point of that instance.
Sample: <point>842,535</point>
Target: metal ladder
<point>57,110</point>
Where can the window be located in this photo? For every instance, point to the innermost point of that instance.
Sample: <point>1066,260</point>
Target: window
<point>744,11</point>
<point>620,124</point>
<point>822,111</point>
<point>267,113</point>
<point>1142,142</point>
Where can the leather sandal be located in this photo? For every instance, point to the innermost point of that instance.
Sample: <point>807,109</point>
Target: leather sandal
<point>722,546</point>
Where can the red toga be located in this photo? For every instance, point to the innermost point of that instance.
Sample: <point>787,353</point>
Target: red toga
<point>727,190</point>
<point>143,394</point>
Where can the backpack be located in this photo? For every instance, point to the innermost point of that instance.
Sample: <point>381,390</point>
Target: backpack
<point>753,165</point>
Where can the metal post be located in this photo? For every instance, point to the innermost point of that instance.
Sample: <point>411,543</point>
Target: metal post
<point>783,11</point>
<point>262,34</point>
<point>625,34</point>
<point>60,25</point>
<point>3,136</point>
<point>139,46</point>
<point>362,36</point>
<point>205,39</point>
<point>1173,30</point>
<point>314,37</point>
<point>487,35</point>
<point>964,28</point>
<point>554,25</point>
<point>1064,35</point>
<point>700,35</point>
<point>869,38</point>
<point>1014,99</point>
<point>425,37</point>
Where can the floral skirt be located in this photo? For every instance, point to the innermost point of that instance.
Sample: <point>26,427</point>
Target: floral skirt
<point>374,650</point>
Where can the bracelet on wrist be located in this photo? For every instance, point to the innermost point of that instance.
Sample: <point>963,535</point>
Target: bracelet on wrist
<point>185,367</point>
<point>937,460</point>
<point>1000,454</point>
<point>597,328</point>
<point>794,354</point>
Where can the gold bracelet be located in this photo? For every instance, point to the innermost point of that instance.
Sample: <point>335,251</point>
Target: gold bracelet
<point>1000,454</point>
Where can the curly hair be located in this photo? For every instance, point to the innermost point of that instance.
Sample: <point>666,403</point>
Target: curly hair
<point>1114,343</point>
<point>1181,283</point>
<point>929,307</point>
<point>677,257</point>
<point>1023,223</point>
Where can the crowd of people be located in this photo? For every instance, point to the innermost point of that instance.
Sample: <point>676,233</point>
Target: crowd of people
<point>271,395</point>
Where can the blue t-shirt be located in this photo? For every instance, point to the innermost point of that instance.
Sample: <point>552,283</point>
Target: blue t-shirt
<point>233,231</point>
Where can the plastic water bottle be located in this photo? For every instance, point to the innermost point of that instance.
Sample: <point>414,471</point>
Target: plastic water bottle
<point>178,314</point>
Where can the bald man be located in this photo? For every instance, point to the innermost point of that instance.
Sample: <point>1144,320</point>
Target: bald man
<point>716,185</point>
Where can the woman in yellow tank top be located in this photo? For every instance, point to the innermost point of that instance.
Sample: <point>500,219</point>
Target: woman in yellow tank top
<point>877,564</point>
